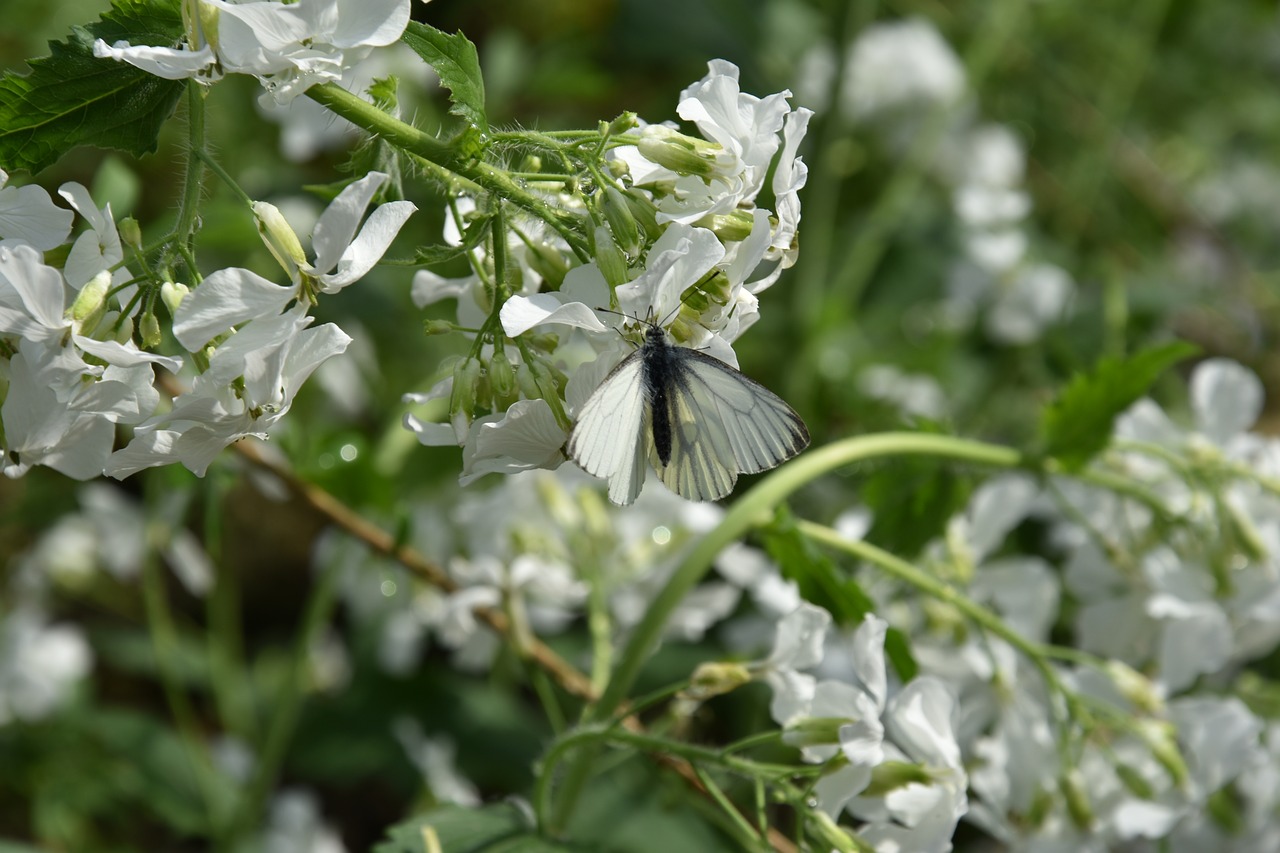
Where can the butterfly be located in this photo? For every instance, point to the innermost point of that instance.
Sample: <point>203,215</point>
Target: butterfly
<point>696,420</point>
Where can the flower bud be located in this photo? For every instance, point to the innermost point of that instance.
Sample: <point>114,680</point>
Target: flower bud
<point>716,678</point>
<point>122,333</point>
<point>613,266</point>
<point>1161,739</point>
<point>1079,808</point>
<point>814,731</point>
<point>200,20</point>
<point>91,300</point>
<point>149,328</point>
<point>1133,780</point>
<point>621,124</point>
<point>462,402</point>
<point>130,233</point>
<point>1136,687</point>
<point>437,327</point>
<point>172,294</point>
<point>1226,810</point>
<point>621,220</point>
<point>527,382</point>
<point>645,214</point>
<point>1247,537</point>
<point>732,227</point>
<point>279,237</point>
<point>548,263</point>
<point>502,377</point>
<point>682,154</point>
<point>833,835</point>
<point>891,775</point>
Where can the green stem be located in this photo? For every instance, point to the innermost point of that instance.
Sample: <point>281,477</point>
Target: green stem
<point>189,203</point>
<point>445,157</point>
<point>164,639</point>
<point>222,609</point>
<point>288,703</point>
<point>931,586</point>
<point>756,506</point>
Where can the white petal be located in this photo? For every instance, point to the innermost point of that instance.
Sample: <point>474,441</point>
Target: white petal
<point>519,314</point>
<point>868,657</point>
<point>800,638</point>
<point>337,225</point>
<point>370,245</point>
<point>1227,398</point>
<point>370,23</point>
<point>28,214</point>
<point>169,63</point>
<point>224,299</point>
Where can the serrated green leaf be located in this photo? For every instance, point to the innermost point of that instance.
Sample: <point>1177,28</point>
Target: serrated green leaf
<point>455,59</point>
<point>1077,425</point>
<point>457,829</point>
<point>475,234</point>
<point>72,98</point>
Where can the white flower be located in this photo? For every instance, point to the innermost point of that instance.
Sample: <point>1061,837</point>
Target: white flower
<point>274,356</point>
<point>296,826</point>
<point>232,296</point>
<point>900,64</point>
<point>39,664</point>
<point>288,46</point>
<point>28,215</point>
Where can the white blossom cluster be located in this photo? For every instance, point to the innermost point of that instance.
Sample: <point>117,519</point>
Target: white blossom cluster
<point>289,47</point>
<point>71,368</point>
<point>902,83</point>
<point>681,240</point>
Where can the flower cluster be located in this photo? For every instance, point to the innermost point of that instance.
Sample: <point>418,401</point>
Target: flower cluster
<point>77,362</point>
<point>288,46</point>
<point>679,238</point>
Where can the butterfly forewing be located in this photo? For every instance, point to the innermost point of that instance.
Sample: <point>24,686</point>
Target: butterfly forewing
<point>610,439</point>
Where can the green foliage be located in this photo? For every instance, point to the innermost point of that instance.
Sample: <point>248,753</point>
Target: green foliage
<point>823,583</point>
<point>489,829</point>
<point>1077,425</point>
<point>454,58</point>
<point>911,500</point>
<point>72,98</point>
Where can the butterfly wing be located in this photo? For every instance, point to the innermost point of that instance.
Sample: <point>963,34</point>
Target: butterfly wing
<point>611,437</point>
<point>722,424</point>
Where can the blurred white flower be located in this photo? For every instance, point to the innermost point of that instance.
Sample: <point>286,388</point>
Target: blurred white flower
<point>899,64</point>
<point>40,664</point>
<point>296,826</point>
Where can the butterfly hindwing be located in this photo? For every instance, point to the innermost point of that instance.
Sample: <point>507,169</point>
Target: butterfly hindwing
<point>611,437</point>
<point>723,424</point>
<point>696,420</point>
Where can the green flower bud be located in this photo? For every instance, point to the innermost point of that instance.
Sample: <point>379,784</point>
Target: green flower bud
<point>891,775</point>
<point>609,258</point>
<point>832,834</point>
<point>279,237</point>
<point>814,731</point>
<point>622,222</point>
<point>438,327</point>
<point>502,377</point>
<point>548,263</point>
<point>1247,537</point>
<point>527,382</point>
<point>1135,687</point>
<point>682,154</point>
<point>150,330</point>
<point>1078,806</point>
<point>731,227</point>
<point>91,301</point>
<point>172,294</point>
<point>1161,739</point>
<point>1226,810</point>
<point>622,124</point>
<point>1133,780</point>
<point>462,402</point>
<point>121,334</point>
<point>646,215</point>
<point>716,678</point>
<point>130,233</point>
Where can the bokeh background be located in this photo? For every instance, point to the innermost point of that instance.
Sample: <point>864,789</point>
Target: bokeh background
<point>1000,193</point>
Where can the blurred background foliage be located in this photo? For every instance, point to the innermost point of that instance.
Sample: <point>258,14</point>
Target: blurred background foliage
<point>1150,132</point>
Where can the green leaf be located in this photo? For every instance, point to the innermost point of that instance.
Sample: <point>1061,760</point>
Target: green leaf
<point>454,58</point>
<point>912,500</point>
<point>1077,426</point>
<point>820,580</point>
<point>72,98</point>
<point>475,234</point>
<point>489,829</point>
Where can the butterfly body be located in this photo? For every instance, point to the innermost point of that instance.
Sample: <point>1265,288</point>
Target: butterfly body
<point>696,420</point>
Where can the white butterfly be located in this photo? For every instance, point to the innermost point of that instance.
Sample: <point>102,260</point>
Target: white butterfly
<point>698,421</point>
